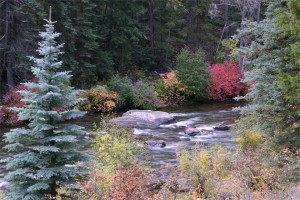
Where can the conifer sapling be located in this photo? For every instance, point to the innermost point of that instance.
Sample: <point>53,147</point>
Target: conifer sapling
<point>46,152</point>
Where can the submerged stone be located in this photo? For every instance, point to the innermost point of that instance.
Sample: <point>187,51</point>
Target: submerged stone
<point>159,143</point>
<point>222,127</point>
<point>191,131</point>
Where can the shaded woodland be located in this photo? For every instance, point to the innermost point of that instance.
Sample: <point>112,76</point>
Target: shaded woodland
<point>103,37</point>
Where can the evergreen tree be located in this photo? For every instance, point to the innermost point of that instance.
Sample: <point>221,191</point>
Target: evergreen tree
<point>199,24</point>
<point>46,152</point>
<point>289,77</point>
<point>192,71</point>
<point>269,112</point>
<point>167,31</point>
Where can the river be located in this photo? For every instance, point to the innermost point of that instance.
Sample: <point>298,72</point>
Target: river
<point>202,116</point>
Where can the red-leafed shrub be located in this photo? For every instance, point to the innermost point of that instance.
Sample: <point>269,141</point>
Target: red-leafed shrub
<point>13,98</point>
<point>8,117</point>
<point>131,184</point>
<point>225,82</point>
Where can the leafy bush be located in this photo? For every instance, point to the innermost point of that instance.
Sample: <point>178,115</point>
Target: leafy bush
<point>229,49</point>
<point>124,87</point>
<point>221,174</point>
<point>192,71</point>
<point>134,95</point>
<point>98,99</point>
<point>115,153</point>
<point>225,82</point>
<point>13,98</point>
<point>131,183</point>
<point>201,165</point>
<point>144,96</point>
<point>249,140</point>
<point>9,117</point>
<point>170,90</point>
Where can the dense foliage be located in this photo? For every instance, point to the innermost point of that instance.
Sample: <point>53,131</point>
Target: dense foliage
<point>41,151</point>
<point>115,49</point>
<point>139,94</point>
<point>102,36</point>
<point>220,174</point>
<point>9,117</point>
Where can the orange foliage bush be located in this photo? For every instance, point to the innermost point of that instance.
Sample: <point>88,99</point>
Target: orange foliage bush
<point>130,184</point>
<point>173,91</point>
<point>126,184</point>
<point>98,101</point>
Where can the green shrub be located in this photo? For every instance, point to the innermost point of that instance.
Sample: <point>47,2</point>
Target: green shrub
<point>124,87</point>
<point>134,95</point>
<point>221,174</point>
<point>192,71</point>
<point>203,166</point>
<point>144,96</point>
<point>229,51</point>
<point>249,140</point>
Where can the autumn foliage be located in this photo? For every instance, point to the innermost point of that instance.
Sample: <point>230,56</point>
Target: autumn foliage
<point>171,90</point>
<point>225,82</point>
<point>8,117</point>
<point>131,183</point>
<point>98,100</point>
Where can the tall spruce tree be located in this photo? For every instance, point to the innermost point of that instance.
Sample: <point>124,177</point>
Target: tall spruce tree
<point>46,152</point>
<point>273,108</point>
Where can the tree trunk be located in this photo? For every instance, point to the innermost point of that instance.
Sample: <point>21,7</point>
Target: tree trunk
<point>226,27</point>
<point>241,56</point>
<point>151,25</point>
<point>8,54</point>
<point>258,11</point>
<point>226,32</point>
<point>10,72</point>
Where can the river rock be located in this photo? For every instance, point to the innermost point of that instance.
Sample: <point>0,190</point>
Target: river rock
<point>206,131</point>
<point>191,131</point>
<point>142,118</point>
<point>158,143</point>
<point>222,127</point>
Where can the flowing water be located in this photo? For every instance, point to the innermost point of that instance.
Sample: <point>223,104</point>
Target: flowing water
<point>202,116</point>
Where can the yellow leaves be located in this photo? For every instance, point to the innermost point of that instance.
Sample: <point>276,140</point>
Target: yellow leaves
<point>204,159</point>
<point>249,140</point>
<point>113,150</point>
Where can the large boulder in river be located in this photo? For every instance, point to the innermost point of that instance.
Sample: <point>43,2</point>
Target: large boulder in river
<point>142,118</point>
